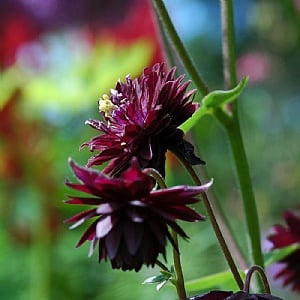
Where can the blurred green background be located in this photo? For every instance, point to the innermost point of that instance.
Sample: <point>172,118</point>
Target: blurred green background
<point>58,57</point>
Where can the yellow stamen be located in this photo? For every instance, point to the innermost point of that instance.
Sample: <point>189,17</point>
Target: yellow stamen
<point>106,106</point>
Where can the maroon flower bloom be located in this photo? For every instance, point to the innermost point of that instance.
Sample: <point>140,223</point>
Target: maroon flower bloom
<point>141,118</point>
<point>241,295</point>
<point>285,236</point>
<point>130,219</point>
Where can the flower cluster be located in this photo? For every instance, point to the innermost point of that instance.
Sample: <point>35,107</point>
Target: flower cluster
<point>141,118</point>
<point>286,236</point>
<point>130,218</point>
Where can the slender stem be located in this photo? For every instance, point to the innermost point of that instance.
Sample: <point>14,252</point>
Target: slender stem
<point>179,282</point>
<point>182,52</point>
<point>167,48</point>
<point>223,222</point>
<point>161,265</point>
<point>227,233</point>
<point>214,223</point>
<point>178,269</point>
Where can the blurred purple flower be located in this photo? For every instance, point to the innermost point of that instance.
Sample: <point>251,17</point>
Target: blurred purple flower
<point>141,119</point>
<point>285,236</point>
<point>53,14</point>
<point>24,21</point>
<point>131,220</point>
<point>257,65</point>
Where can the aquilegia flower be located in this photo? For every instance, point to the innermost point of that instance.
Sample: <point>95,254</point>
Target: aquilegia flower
<point>285,236</point>
<point>241,295</point>
<point>131,219</point>
<point>141,118</point>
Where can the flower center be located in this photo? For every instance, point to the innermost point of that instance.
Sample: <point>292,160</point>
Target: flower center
<point>106,106</point>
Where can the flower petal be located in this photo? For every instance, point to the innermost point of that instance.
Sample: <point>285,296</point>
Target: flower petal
<point>105,224</point>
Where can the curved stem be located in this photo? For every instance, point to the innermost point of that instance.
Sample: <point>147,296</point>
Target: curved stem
<point>214,223</point>
<point>179,282</point>
<point>263,276</point>
<point>157,176</point>
<point>183,55</point>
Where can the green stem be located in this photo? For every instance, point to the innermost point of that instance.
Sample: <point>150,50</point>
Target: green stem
<point>227,233</point>
<point>228,44</point>
<point>214,223</point>
<point>243,174</point>
<point>223,222</point>
<point>232,127</point>
<point>165,22</point>
<point>179,282</point>
<point>178,269</point>
<point>182,52</point>
<point>169,56</point>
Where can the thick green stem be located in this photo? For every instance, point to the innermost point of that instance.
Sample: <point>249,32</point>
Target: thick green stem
<point>214,223</point>
<point>243,174</point>
<point>169,55</point>
<point>232,127</point>
<point>182,52</point>
<point>228,44</point>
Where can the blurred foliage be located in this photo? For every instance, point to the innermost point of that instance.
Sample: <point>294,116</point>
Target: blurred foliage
<point>45,99</point>
<point>74,77</point>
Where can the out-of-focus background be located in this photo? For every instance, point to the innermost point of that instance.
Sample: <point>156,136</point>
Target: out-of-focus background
<point>58,57</point>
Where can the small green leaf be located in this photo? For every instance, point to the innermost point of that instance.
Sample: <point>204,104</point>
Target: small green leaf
<point>211,101</point>
<point>160,285</point>
<point>279,254</point>
<point>218,98</point>
<point>212,281</point>
<point>155,279</point>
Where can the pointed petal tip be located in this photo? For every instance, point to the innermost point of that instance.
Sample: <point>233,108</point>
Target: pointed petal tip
<point>78,223</point>
<point>72,163</point>
<point>207,185</point>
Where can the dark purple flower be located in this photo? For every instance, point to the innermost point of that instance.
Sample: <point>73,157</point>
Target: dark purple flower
<point>131,219</point>
<point>285,236</point>
<point>141,118</point>
<point>212,295</point>
<point>241,295</point>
